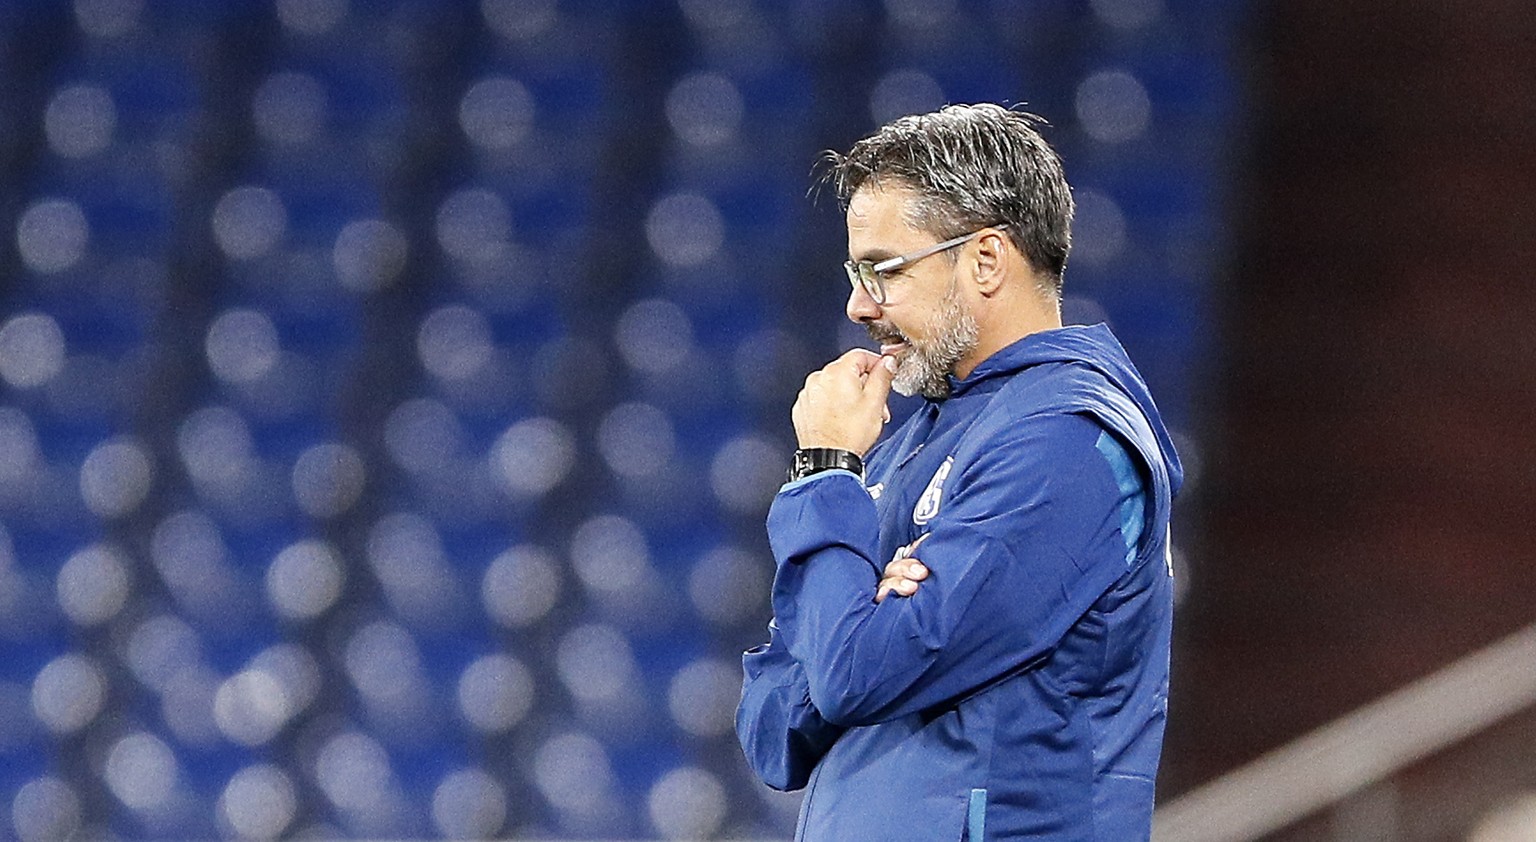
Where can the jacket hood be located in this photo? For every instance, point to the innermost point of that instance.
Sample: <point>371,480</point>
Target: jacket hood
<point>1093,346</point>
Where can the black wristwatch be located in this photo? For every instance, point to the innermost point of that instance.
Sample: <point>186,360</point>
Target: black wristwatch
<point>814,460</point>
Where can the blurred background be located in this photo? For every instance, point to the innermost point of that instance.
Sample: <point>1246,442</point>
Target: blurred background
<point>391,391</point>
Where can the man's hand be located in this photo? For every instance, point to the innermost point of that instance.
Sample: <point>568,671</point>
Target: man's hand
<point>843,405</point>
<point>902,574</point>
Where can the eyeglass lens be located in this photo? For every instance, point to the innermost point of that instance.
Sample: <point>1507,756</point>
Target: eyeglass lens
<point>863,274</point>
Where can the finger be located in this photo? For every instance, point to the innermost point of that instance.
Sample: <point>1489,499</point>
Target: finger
<point>855,362</point>
<point>861,360</point>
<point>894,585</point>
<point>905,568</point>
<point>877,384</point>
<point>883,368</point>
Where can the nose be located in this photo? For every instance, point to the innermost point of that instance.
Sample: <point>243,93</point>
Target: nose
<point>861,308</point>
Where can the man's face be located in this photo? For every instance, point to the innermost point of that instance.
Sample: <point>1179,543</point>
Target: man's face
<point>925,323</point>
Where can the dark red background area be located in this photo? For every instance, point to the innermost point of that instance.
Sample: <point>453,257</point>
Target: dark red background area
<point>1370,501</point>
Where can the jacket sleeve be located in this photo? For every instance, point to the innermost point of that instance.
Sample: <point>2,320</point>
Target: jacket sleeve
<point>1027,537</point>
<point>781,733</point>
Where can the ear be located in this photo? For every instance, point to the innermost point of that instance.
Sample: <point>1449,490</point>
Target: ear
<point>991,261</point>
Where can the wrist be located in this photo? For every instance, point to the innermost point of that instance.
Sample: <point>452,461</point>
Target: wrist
<point>809,461</point>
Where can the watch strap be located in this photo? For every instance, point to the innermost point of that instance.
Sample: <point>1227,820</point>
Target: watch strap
<point>813,460</point>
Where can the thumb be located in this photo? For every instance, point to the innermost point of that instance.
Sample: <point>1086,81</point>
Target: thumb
<point>884,371</point>
<point>878,385</point>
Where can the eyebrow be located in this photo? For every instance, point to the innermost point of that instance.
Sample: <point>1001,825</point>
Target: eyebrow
<point>874,255</point>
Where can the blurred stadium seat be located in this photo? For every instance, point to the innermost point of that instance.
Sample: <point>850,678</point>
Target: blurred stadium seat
<point>393,389</point>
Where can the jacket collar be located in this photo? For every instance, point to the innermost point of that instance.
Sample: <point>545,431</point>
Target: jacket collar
<point>1064,344</point>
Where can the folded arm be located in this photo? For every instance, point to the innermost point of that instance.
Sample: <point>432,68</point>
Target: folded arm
<point>1028,536</point>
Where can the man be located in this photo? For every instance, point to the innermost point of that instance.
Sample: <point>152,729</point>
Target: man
<point>971,622</point>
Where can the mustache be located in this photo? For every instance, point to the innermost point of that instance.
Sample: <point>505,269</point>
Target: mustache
<point>883,333</point>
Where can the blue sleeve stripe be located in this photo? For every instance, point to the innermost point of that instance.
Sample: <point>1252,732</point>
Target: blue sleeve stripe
<point>976,816</point>
<point>1133,498</point>
<point>790,486</point>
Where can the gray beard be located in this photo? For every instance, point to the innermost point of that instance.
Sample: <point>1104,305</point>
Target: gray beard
<point>926,368</point>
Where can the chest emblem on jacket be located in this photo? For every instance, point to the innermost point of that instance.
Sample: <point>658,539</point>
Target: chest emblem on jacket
<point>928,504</point>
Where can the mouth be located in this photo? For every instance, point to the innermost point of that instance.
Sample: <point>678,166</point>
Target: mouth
<point>892,343</point>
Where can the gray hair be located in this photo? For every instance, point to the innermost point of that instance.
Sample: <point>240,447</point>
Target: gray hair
<point>970,166</point>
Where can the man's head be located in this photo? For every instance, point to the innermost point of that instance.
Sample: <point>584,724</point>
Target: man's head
<point>970,166</point>
<point>926,179</point>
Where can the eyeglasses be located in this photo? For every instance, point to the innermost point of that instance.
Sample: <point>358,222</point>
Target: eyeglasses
<point>871,275</point>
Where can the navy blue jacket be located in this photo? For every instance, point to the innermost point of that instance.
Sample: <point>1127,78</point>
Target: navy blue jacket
<point>1022,691</point>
